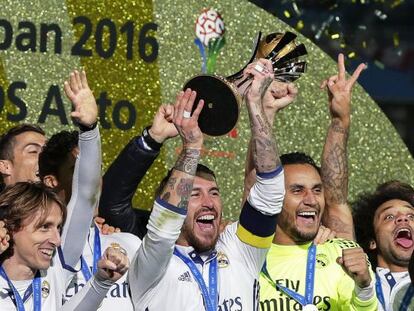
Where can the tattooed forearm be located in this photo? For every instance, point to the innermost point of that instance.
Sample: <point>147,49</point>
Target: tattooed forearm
<point>184,187</point>
<point>171,182</point>
<point>166,196</point>
<point>336,127</point>
<point>265,154</point>
<point>187,161</point>
<point>183,191</point>
<point>335,164</point>
<point>265,84</point>
<point>335,174</point>
<point>263,127</point>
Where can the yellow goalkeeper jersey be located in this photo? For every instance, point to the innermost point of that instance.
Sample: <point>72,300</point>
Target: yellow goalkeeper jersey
<point>333,288</point>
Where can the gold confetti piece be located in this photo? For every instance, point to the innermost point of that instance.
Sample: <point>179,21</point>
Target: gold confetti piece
<point>376,152</point>
<point>351,54</point>
<point>300,25</point>
<point>335,36</point>
<point>286,13</point>
<point>396,39</point>
<point>396,3</point>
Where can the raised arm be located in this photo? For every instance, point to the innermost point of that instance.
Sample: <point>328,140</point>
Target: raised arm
<point>126,172</point>
<point>257,222</point>
<point>170,209</point>
<point>87,173</point>
<point>338,215</point>
<point>111,267</point>
<point>277,96</point>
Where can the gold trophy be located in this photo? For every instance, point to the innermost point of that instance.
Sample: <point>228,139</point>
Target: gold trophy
<point>223,95</point>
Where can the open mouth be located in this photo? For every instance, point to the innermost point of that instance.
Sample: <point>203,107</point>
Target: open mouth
<point>206,222</point>
<point>306,217</point>
<point>403,238</point>
<point>47,253</point>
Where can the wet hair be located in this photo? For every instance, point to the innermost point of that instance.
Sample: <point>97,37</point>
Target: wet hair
<point>202,172</point>
<point>365,206</point>
<point>8,140</point>
<point>23,201</point>
<point>55,151</point>
<point>299,158</point>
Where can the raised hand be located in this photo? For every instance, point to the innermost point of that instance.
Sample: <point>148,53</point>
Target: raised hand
<point>77,90</point>
<point>105,228</point>
<point>354,262</point>
<point>162,126</point>
<point>113,264</point>
<point>278,95</point>
<point>187,123</point>
<point>339,91</point>
<point>262,74</point>
<point>4,237</point>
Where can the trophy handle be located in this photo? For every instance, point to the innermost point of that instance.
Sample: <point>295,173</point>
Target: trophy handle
<point>256,43</point>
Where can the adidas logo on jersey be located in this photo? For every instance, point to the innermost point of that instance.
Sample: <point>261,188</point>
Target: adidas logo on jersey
<point>185,277</point>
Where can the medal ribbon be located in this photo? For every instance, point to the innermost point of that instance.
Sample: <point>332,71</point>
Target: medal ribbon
<point>33,288</point>
<point>96,256</point>
<point>210,295</point>
<point>407,298</point>
<point>309,282</point>
<point>380,293</point>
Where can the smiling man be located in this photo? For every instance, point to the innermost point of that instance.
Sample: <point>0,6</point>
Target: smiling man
<point>184,263</point>
<point>384,226</point>
<point>19,151</point>
<point>299,275</point>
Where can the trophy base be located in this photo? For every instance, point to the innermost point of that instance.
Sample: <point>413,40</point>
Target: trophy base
<point>221,104</point>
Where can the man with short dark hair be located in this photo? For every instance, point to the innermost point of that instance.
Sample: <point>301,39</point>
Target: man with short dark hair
<point>19,150</point>
<point>185,263</point>
<point>299,274</point>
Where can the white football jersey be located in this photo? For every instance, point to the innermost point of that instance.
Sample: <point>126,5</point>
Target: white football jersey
<point>53,283</point>
<point>160,280</point>
<point>402,279</point>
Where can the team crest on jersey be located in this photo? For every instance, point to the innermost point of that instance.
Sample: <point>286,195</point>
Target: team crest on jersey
<point>222,260</point>
<point>45,289</point>
<point>322,261</point>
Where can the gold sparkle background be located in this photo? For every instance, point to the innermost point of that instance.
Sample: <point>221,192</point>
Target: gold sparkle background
<point>376,152</point>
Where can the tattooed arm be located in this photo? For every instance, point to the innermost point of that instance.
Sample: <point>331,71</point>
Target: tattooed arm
<point>257,222</point>
<point>277,96</point>
<point>170,209</point>
<point>338,215</point>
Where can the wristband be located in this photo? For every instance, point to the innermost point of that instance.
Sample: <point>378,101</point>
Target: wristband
<point>84,128</point>
<point>151,142</point>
